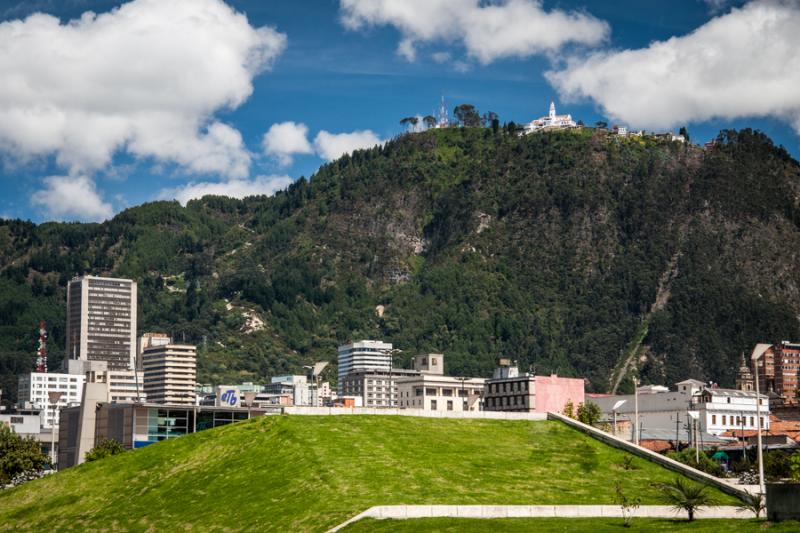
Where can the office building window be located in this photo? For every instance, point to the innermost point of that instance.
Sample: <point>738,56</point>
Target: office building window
<point>433,405</point>
<point>449,405</point>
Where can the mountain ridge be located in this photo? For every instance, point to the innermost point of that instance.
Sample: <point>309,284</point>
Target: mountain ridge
<point>558,249</point>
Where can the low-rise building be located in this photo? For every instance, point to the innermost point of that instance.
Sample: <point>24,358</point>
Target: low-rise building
<point>716,410</point>
<point>136,425</point>
<point>431,390</point>
<point>377,388</point>
<point>508,390</point>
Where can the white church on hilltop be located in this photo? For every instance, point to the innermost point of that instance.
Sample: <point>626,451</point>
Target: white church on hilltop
<point>551,121</point>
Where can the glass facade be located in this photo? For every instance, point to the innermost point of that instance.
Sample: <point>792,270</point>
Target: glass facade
<point>154,424</point>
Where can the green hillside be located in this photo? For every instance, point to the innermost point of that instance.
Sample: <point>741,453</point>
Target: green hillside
<point>575,252</point>
<point>300,473</point>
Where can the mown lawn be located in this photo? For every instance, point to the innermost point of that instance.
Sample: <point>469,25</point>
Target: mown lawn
<point>303,473</point>
<point>577,525</point>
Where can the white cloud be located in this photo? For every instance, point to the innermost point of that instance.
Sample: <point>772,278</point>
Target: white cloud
<point>331,146</point>
<point>236,188</point>
<point>441,57</point>
<point>146,77</point>
<point>285,139</point>
<point>488,30</point>
<point>741,64</point>
<point>72,198</point>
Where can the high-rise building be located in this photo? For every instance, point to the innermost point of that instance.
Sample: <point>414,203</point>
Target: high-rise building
<point>364,355</point>
<point>170,373</point>
<point>101,321</point>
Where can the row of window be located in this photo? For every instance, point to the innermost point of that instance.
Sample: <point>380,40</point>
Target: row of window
<point>506,401</point>
<point>509,386</point>
<point>736,421</point>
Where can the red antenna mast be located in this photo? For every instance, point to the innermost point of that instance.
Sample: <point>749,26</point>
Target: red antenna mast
<point>41,351</point>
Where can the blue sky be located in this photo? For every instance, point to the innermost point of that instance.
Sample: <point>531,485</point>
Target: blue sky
<point>97,119</point>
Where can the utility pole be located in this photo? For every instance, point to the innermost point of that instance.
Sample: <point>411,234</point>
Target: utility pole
<point>756,355</point>
<point>636,411</point>
<point>677,431</point>
<point>744,440</point>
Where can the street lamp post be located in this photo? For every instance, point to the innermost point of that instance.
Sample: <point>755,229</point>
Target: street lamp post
<point>614,413</point>
<point>54,397</point>
<point>758,351</point>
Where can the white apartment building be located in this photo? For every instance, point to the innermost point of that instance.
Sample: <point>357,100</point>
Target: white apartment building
<point>170,373</point>
<point>365,355</point>
<point>34,388</point>
<point>101,321</point>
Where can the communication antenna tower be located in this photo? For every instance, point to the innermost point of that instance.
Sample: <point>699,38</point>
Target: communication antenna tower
<point>442,120</point>
<point>41,351</point>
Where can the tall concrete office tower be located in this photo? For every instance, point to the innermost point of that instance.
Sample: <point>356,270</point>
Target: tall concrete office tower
<point>101,321</point>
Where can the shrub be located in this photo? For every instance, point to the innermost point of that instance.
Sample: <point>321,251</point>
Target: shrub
<point>105,448</point>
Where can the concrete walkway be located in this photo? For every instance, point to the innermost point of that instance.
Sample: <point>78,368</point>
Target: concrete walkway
<point>404,512</point>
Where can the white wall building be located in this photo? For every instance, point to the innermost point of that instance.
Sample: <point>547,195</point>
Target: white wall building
<point>722,410</point>
<point>25,425</point>
<point>34,388</point>
<point>365,355</point>
<point>551,121</point>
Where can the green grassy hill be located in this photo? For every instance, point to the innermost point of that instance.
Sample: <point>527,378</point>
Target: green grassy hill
<point>301,473</point>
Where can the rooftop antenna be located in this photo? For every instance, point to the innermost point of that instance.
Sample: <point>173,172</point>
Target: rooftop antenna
<point>41,351</point>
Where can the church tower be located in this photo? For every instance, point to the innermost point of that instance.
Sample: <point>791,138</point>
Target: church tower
<point>552,110</point>
<point>744,378</point>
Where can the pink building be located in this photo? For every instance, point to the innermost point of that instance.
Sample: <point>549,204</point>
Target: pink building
<point>509,391</point>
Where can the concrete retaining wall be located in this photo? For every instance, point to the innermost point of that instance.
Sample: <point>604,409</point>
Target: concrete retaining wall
<point>650,455</point>
<point>485,415</point>
<point>405,512</point>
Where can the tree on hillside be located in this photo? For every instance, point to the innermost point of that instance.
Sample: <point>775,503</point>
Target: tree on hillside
<point>488,118</point>
<point>429,121</point>
<point>601,124</point>
<point>106,448</point>
<point>683,131</point>
<point>21,459</point>
<point>467,115</point>
<point>409,122</point>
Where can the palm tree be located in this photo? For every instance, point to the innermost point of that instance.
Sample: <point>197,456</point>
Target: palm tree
<point>753,501</point>
<point>683,495</point>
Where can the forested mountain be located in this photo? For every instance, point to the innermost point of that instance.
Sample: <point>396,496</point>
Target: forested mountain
<point>577,252</point>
